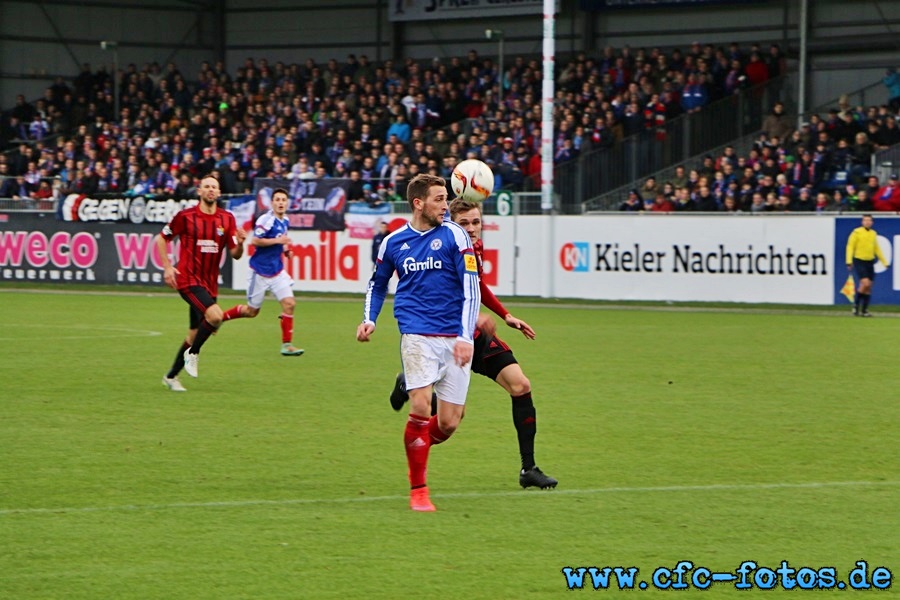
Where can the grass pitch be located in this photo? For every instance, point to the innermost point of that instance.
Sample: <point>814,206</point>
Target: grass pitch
<point>701,436</point>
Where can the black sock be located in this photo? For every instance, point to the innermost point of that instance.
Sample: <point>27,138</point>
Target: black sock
<point>857,300</point>
<point>178,365</point>
<point>865,301</point>
<point>525,420</point>
<point>203,332</point>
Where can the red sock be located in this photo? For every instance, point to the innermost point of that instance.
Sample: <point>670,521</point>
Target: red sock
<point>233,313</point>
<point>287,328</point>
<point>434,432</point>
<point>417,443</point>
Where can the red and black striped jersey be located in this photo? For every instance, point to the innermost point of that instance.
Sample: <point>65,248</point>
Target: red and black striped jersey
<point>203,238</point>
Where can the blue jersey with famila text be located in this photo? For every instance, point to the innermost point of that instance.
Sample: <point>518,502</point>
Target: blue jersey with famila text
<point>437,292</point>
<point>267,260</point>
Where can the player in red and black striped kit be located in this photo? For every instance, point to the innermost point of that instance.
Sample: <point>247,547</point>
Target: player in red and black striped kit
<point>493,357</point>
<point>204,231</point>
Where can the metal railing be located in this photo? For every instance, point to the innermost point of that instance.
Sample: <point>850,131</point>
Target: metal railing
<point>586,180</point>
<point>29,202</point>
<point>886,163</point>
<point>614,198</point>
<point>870,95</point>
<point>873,94</point>
<point>49,141</point>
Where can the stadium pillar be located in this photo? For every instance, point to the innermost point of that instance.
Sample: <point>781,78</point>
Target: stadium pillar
<point>500,92</point>
<point>397,32</point>
<point>379,30</point>
<point>114,46</point>
<point>498,35</point>
<point>801,83</point>
<point>588,32</point>
<point>220,28</point>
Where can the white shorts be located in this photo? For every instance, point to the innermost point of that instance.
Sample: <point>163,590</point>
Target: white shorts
<point>428,360</point>
<point>281,286</point>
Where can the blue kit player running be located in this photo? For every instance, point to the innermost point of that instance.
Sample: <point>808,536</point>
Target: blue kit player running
<point>270,240</point>
<point>436,307</point>
<point>493,357</point>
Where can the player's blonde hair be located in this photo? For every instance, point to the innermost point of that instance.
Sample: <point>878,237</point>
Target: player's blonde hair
<point>461,205</point>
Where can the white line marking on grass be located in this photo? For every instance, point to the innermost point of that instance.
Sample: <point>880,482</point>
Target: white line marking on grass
<point>508,494</point>
<point>91,332</point>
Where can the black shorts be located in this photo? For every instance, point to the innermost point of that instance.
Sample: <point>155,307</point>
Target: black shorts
<point>199,300</point>
<point>491,356</point>
<point>864,269</point>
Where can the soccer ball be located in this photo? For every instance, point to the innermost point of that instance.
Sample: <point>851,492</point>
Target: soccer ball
<point>472,180</point>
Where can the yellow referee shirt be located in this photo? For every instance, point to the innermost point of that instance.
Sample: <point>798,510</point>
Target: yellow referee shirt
<point>863,245</point>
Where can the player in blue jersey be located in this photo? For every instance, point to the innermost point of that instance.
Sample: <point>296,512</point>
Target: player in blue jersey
<point>267,272</point>
<point>493,357</point>
<point>436,307</point>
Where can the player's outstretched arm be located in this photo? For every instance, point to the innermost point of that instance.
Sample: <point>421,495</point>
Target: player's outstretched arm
<point>364,330</point>
<point>519,324</point>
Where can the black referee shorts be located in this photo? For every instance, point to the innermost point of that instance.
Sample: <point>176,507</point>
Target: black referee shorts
<point>864,269</point>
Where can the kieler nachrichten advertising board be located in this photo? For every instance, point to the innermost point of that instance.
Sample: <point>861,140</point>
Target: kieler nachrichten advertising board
<point>725,259</point>
<point>737,258</point>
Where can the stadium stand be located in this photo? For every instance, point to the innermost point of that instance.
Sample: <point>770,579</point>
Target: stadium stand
<point>842,165</point>
<point>385,122</point>
<point>826,165</point>
<point>379,125</point>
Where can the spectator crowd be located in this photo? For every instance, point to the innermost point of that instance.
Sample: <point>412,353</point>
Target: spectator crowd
<point>377,125</point>
<point>822,166</point>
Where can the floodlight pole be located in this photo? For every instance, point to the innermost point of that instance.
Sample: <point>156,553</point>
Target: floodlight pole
<point>547,94</point>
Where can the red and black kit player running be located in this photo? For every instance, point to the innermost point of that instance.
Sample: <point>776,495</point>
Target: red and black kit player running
<point>204,231</point>
<point>493,357</point>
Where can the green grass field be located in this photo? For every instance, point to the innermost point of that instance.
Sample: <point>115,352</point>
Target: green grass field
<point>714,437</point>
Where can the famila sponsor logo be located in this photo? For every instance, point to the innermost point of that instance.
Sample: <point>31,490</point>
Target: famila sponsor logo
<point>411,265</point>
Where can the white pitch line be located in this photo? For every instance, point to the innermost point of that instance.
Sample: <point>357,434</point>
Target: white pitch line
<point>93,332</point>
<point>508,494</point>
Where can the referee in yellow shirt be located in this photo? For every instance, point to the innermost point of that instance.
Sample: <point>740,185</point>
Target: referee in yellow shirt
<point>862,248</point>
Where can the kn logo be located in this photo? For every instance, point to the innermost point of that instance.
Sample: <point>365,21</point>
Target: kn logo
<point>573,256</point>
